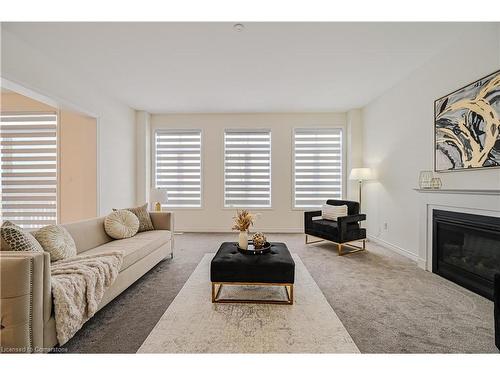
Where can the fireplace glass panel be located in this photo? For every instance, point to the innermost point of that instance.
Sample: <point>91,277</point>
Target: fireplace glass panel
<point>469,248</point>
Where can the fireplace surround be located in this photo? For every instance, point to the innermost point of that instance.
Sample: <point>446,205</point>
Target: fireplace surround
<point>466,249</point>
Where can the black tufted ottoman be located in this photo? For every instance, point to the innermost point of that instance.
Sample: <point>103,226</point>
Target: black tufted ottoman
<point>230,267</point>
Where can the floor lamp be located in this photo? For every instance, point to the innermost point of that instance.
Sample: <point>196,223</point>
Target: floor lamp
<point>360,175</point>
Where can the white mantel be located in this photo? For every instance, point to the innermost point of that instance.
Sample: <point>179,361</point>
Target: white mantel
<point>479,202</point>
<point>461,191</point>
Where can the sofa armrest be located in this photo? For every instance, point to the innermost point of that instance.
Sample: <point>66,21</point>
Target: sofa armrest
<point>343,221</point>
<point>308,215</point>
<point>308,219</point>
<point>350,219</point>
<point>162,220</point>
<point>26,300</point>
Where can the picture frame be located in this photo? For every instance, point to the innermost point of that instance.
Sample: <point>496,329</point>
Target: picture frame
<point>467,127</point>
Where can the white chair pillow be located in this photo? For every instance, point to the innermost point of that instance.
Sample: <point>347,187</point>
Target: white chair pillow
<point>330,212</point>
<point>121,224</point>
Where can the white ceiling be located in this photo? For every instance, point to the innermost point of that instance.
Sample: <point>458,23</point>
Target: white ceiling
<point>269,67</point>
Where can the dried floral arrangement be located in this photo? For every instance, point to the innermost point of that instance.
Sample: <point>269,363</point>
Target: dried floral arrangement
<point>243,220</point>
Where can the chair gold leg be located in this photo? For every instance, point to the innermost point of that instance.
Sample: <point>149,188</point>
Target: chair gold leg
<point>356,248</point>
<point>341,245</point>
<point>309,242</point>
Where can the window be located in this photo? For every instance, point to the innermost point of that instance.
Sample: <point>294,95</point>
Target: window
<point>317,166</point>
<point>29,169</point>
<point>178,166</point>
<point>247,168</point>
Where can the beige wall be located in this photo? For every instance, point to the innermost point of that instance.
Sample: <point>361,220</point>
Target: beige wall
<point>14,102</point>
<point>77,167</point>
<point>213,217</point>
<point>77,153</point>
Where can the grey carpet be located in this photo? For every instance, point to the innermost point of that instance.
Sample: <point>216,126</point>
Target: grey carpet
<point>386,303</point>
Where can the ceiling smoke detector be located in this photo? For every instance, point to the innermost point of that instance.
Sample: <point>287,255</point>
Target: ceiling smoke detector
<point>238,27</point>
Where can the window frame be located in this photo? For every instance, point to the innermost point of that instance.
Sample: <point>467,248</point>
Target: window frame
<point>224,206</point>
<point>343,159</point>
<point>153,163</point>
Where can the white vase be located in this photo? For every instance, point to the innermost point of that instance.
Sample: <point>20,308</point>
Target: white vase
<point>243,239</point>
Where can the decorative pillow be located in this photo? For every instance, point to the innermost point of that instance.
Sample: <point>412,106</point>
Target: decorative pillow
<point>121,224</point>
<point>18,239</point>
<point>57,241</point>
<point>330,212</point>
<point>142,214</point>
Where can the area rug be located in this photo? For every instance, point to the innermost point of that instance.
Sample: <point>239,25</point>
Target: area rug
<point>193,324</point>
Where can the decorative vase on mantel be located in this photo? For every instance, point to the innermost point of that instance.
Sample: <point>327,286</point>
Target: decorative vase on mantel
<point>243,240</point>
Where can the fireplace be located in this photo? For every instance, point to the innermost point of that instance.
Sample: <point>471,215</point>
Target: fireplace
<point>466,249</point>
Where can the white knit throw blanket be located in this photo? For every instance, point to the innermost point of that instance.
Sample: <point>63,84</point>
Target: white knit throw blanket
<point>78,285</point>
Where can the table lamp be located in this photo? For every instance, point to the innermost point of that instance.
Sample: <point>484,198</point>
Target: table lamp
<point>157,196</point>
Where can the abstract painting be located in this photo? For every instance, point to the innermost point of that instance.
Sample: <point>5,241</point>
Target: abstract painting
<point>467,126</point>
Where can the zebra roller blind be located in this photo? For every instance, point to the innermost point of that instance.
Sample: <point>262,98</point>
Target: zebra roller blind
<point>178,166</point>
<point>247,168</point>
<point>29,169</point>
<point>317,166</point>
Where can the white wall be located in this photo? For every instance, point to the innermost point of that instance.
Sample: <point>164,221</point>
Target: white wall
<point>354,150</point>
<point>398,136</point>
<point>213,217</point>
<point>143,159</point>
<point>27,66</point>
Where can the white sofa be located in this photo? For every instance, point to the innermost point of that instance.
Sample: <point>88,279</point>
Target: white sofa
<point>27,322</point>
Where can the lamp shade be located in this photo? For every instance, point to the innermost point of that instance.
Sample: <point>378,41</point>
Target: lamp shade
<point>360,174</point>
<point>158,195</point>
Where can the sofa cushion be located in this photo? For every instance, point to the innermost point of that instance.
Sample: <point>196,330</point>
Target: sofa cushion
<point>121,224</point>
<point>142,214</point>
<point>18,239</point>
<point>134,248</point>
<point>56,240</point>
<point>331,227</point>
<point>88,234</point>
<point>326,226</point>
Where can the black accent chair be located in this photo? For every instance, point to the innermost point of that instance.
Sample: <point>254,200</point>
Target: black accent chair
<point>343,231</point>
<point>496,297</point>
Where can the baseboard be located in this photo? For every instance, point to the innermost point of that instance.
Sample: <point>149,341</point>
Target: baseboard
<point>225,230</point>
<point>396,249</point>
<point>422,263</point>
